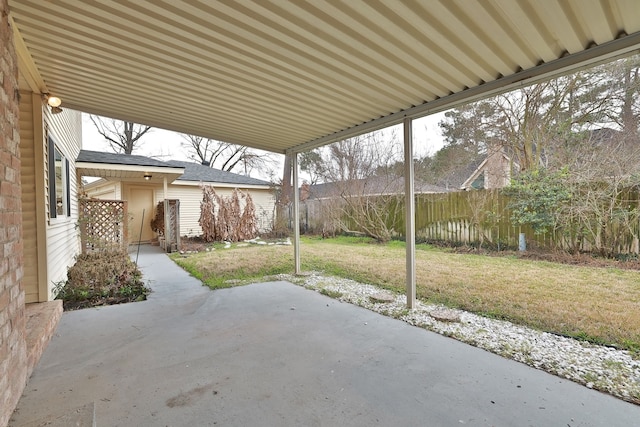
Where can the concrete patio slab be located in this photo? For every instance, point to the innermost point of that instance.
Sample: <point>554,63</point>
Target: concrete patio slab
<point>275,354</point>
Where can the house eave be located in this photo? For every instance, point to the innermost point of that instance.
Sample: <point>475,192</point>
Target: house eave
<point>221,184</point>
<point>476,173</point>
<point>128,172</point>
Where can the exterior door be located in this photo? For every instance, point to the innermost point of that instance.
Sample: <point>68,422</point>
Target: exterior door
<point>141,213</point>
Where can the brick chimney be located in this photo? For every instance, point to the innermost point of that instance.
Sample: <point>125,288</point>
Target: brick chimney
<point>304,191</point>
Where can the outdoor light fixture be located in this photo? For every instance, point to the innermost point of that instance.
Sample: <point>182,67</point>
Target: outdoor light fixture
<point>147,176</point>
<point>53,102</point>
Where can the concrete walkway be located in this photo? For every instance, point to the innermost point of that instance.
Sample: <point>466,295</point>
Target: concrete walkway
<point>275,354</point>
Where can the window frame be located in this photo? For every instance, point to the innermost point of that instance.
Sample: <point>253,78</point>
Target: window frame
<point>59,207</point>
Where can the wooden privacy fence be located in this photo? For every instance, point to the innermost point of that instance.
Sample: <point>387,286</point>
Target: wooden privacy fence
<point>103,225</point>
<point>474,217</point>
<point>482,218</point>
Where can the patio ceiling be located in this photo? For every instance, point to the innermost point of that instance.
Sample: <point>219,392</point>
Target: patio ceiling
<point>291,75</point>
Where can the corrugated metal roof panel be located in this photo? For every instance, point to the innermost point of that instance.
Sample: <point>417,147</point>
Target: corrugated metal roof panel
<point>278,74</point>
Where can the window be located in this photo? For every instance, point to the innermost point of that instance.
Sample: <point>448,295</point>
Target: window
<point>59,194</point>
<point>478,183</point>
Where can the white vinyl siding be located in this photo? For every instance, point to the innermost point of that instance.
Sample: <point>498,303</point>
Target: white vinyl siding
<point>50,244</point>
<point>265,208</point>
<point>105,190</point>
<point>63,243</point>
<point>190,197</point>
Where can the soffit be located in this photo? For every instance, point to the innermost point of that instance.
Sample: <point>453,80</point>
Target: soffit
<point>286,75</point>
<point>128,172</point>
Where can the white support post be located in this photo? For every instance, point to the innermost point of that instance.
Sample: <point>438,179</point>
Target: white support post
<point>296,213</point>
<point>167,218</point>
<point>410,219</point>
<point>165,187</point>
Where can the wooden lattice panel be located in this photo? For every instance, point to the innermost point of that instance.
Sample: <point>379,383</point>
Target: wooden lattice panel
<point>103,224</point>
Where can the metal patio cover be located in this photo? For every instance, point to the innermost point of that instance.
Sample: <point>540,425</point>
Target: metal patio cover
<point>285,76</point>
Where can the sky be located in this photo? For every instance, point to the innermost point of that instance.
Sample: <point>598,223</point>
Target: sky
<point>166,145</point>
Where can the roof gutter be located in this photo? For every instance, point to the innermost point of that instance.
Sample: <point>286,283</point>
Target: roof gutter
<point>223,184</point>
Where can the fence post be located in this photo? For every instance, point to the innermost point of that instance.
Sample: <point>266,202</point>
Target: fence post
<point>522,243</point>
<point>167,226</point>
<point>125,225</point>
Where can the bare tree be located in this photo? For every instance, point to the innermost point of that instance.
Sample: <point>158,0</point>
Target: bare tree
<point>485,215</point>
<point>604,212</point>
<point>123,137</point>
<point>531,123</point>
<point>623,78</point>
<point>362,188</point>
<point>225,156</point>
<point>311,163</point>
<point>284,195</point>
<point>577,142</point>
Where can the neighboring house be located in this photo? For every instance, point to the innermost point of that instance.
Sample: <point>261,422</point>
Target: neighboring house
<point>143,182</point>
<point>374,186</point>
<point>604,147</point>
<point>493,172</point>
<point>319,203</point>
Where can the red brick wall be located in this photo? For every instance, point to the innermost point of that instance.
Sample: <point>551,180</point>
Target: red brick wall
<point>13,357</point>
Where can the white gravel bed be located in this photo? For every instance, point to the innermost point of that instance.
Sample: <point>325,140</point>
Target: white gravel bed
<point>598,367</point>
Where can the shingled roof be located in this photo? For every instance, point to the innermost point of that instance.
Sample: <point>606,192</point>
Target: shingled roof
<point>193,172</point>
<point>369,186</point>
<point>198,172</point>
<point>88,156</point>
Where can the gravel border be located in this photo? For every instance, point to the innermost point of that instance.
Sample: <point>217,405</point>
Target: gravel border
<point>598,367</point>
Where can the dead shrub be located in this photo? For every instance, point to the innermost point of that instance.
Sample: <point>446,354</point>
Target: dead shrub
<point>157,223</point>
<point>223,219</point>
<point>101,278</point>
